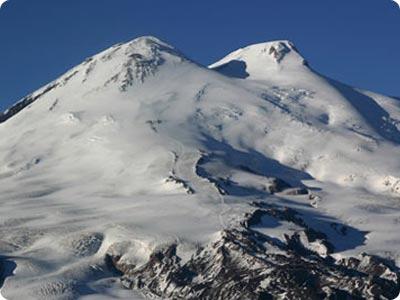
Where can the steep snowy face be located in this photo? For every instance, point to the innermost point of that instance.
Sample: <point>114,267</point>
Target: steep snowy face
<point>332,129</point>
<point>261,61</point>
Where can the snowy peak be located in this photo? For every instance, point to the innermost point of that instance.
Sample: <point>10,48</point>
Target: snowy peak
<point>131,62</point>
<point>259,60</point>
<point>145,45</point>
<point>119,67</point>
<point>151,47</point>
<point>276,50</point>
<point>125,65</point>
<point>150,42</point>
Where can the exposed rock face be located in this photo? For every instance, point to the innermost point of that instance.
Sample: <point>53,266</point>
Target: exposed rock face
<point>245,264</point>
<point>278,185</point>
<point>279,51</point>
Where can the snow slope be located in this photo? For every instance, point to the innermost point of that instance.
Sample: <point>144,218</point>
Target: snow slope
<point>139,147</point>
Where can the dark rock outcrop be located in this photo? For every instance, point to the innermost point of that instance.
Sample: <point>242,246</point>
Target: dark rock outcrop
<point>278,185</point>
<point>245,264</point>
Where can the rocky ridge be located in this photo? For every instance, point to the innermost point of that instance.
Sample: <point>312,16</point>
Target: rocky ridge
<point>243,263</point>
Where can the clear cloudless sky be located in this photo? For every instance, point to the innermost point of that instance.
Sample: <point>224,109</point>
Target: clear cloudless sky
<point>354,41</point>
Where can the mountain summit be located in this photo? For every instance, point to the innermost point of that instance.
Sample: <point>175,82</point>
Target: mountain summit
<point>256,178</point>
<point>260,60</point>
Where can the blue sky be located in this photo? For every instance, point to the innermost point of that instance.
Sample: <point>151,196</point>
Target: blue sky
<point>355,41</point>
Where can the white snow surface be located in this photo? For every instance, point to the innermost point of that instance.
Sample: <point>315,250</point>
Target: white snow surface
<point>108,161</point>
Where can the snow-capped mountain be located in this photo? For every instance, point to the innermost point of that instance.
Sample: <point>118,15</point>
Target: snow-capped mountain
<point>188,182</point>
